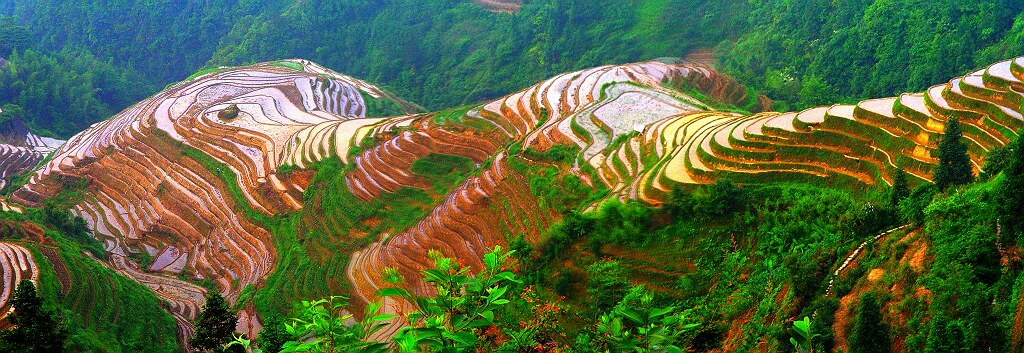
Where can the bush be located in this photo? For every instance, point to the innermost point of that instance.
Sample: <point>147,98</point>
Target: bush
<point>229,113</point>
<point>724,199</point>
<point>911,209</point>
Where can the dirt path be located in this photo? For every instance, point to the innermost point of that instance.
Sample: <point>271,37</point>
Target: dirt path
<point>849,259</point>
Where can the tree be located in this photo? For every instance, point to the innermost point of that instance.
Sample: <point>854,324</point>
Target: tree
<point>900,190</point>
<point>1010,196</point>
<point>36,329</point>
<point>946,336</point>
<point>815,91</point>
<point>215,326</point>
<point>724,198</point>
<point>608,283</point>
<point>954,164</point>
<point>273,336</point>
<point>13,36</point>
<point>870,333</point>
<point>996,161</point>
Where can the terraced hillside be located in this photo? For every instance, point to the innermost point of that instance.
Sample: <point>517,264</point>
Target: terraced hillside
<point>21,150</point>
<point>16,264</point>
<point>152,181</point>
<point>199,181</point>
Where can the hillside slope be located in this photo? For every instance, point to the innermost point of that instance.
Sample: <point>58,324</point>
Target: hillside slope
<point>227,179</point>
<point>149,180</point>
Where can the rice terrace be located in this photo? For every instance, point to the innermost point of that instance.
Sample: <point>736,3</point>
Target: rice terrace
<point>512,176</point>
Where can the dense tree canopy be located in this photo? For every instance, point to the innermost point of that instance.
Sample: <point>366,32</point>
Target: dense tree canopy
<point>451,52</point>
<point>63,93</point>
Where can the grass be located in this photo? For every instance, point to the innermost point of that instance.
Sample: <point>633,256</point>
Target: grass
<point>446,170</point>
<point>290,65</point>
<point>206,71</point>
<point>452,116</point>
<point>107,312</point>
<point>383,107</point>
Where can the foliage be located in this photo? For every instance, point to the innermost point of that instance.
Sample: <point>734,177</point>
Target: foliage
<point>63,93</point>
<point>1010,195</point>
<point>946,336</point>
<point>36,329</point>
<point>73,227</point>
<point>12,36</point>
<point>724,199</point>
<point>900,189</point>
<point>229,113</point>
<point>954,167</point>
<point>997,160</point>
<point>858,49</point>
<point>912,208</point>
<point>322,326</point>
<point>657,330</point>
<point>870,332</point>
<point>464,306</point>
<point>479,313</point>
<point>215,326</point>
<point>273,336</point>
<point>608,283</point>
<point>802,336</point>
<point>319,328</point>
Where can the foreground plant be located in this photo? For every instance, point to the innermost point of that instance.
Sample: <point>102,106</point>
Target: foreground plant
<point>322,326</point>
<point>654,330</point>
<point>477,313</point>
<point>455,319</point>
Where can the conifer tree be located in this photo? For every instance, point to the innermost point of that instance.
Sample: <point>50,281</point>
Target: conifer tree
<point>215,326</point>
<point>273,336</point>
<point>870,333</point>
<point>900,190</point>
<point>1011,195</point>
<point>946,336</point>
<point>954,164</point>
<point>36,329</point>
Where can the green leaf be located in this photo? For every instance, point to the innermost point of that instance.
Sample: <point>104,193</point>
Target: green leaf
<point>496,293</point>
<point>659,312</point>
<point>632,315</point>
<point>465,338</point>
<point>392,292</point>
<point>491,260</point>
<point>488,315</point>
<point>382,318</point>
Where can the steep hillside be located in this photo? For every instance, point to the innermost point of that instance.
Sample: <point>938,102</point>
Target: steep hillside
<point>21,150</point>
<point>16,264</point>
<point>151,181</point>
<point>265,182</point>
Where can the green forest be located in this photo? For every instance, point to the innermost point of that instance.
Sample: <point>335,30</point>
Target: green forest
<point>448,53</point>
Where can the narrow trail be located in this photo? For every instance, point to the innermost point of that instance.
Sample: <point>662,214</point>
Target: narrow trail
<point>853,256</point>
